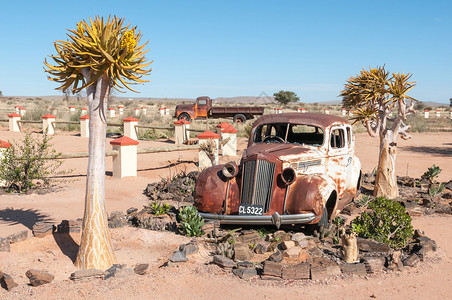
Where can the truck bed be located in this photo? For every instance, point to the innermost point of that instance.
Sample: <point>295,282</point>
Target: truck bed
<point>233,110</point>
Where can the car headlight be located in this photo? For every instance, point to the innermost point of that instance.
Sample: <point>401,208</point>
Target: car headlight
<point>230,169</point>
<point>288,176</point>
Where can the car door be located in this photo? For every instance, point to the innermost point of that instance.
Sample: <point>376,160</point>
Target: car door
<point>201,108</point>
<point>338,158</point>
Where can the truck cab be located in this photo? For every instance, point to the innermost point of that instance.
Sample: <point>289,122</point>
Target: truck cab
<point>200,109</point>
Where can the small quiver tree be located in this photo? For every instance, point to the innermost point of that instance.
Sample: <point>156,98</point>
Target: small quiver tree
<point>99,55</point>
<point>378,99</point>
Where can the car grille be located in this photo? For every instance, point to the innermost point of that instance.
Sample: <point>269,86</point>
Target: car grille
<point>257,183</point>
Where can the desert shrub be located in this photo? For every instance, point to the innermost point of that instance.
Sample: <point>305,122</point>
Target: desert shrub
<point>191,222</point>
<point>29,162</point>
<point>157,208</point>
<point>432,173</point>
<point>153,134</point>
<point>35,114</point>
<point>386,222</point>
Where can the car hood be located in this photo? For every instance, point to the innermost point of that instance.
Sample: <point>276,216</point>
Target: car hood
<point>184,107</point>
<point>282,152</point>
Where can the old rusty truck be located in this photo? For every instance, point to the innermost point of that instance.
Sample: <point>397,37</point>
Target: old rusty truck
<point>203,108</point>
<point>297,169</point>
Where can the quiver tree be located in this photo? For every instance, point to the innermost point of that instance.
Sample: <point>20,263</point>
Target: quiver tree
<point>378,99</point>
<point>98,56</point>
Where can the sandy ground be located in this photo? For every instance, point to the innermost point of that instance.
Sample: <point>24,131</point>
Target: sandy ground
<point>192,281</point>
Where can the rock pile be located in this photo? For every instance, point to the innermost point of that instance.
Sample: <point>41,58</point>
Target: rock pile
<point>179,188</point>
<point>41,229</point>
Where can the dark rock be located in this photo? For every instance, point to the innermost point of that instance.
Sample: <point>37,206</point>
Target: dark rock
<point>418,233</point>
<point>87,274</point>
<point>178,256</point>
<point>318,273</point>
<point>300,271</point>
<point>223,261</point>
<point>447,195</point>
<point>18,237</point>
<point>118,270</point>
<point>281,236</point>
<point>189,248</point>
<point>277,256</point>
<point>70,226</point>
<point>394,261</point>
<point>366,245</point>
<point>4,245</point>
<point>39,277</point>
<point>412,261</point>
<point>131,210</point>
<point>242,252</point>
<point>368,178</point>
<point>7,282</point>
<point>261,247</point>
<point>373,265</point>
<point>426,241</point>
<point>245,265</point>
<point>117,219</point>
<point>298,237</point>
<point>272,268</point>
<point>449,185</point>
<point>354,269</point>
<point>245,273</point>
<point>414,209</point>
<point>141,269</point>
<point>145,219</point>
<point>211,228</point>
<point>41,229</point>
<point>248,237</point>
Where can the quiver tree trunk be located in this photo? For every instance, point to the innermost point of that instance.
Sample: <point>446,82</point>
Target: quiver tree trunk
<point>96,251</point>
<point>386,180</point>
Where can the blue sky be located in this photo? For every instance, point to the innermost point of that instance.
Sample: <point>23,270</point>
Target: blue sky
<point>245,48</point>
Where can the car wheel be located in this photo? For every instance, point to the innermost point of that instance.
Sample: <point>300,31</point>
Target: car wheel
<point>184,116</point>
<point>239,119</point>
<point>322,224</point>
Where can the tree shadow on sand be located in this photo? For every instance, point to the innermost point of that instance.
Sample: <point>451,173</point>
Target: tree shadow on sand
<point>66,244</point>
<point>438,151</point>
<point>26,217</point>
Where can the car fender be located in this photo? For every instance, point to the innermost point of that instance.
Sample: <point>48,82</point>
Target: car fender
<point>309,193</point>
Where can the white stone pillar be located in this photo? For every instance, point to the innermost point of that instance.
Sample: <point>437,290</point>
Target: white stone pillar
<point>350,113</point>
<point>3,146</point>
<point>137,111</point>
<point>53,111</point>
<point>162,111</point>
<point>344,112</point>
<point>144,109</point>
<point>121,110</point>
<point>327,111</point>
<point>84,111</point>
<point>167,111</point>
<point>299,109</point>
<point>17,109</point>
<point>426,114</point>
<point>84,126</point>
<point>112,112</point>
<point>22,111</point>
<point>129,128</point>
<point>204,138</point>
<point>14,124</point>
<point>71,108</point>
<point>303,110</point>
<point>47,124</point>
<point>438,113</point>
<point>230,148</point>
<point>451,113</point>
<point>180,131</point>
<point>125,164</point>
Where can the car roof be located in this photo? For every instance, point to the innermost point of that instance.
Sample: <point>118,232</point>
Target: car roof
<point>321,120</point>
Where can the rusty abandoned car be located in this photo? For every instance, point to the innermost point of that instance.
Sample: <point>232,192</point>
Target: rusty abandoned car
<point>298,168</point>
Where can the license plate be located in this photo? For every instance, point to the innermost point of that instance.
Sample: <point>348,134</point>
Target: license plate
<point>251,210</point>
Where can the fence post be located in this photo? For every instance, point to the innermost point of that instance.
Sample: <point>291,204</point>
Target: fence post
<point>84,126</point>
<point>162,111</point>
<point>17,109</point>
<point>426,113</point>
<point>230,148</point>
<point>327,111</point>
<point>112,112</point>
<point>47,124</point>
<point>22,111</point>
<point>3,146</point>
<point>125,164</point>
<point>137,111</point>
<point>204,159</point>
<point>222,126</point>
<point>84,111</point>
<point>344,112</point>
<point>121,110</point>
<point>167,111</point>
<point>145,109</point>
<point>14,122</point>
<point>438,113</point>
<point>71,108</point>
<point>303,110</point>
<point>451,114</point>
<point>129,128</point>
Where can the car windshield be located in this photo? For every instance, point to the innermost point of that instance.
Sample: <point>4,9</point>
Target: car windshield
<point>289,133</point>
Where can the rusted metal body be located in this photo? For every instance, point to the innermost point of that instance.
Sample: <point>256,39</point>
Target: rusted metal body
<point>203,108</point>
<point>296,167</point>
